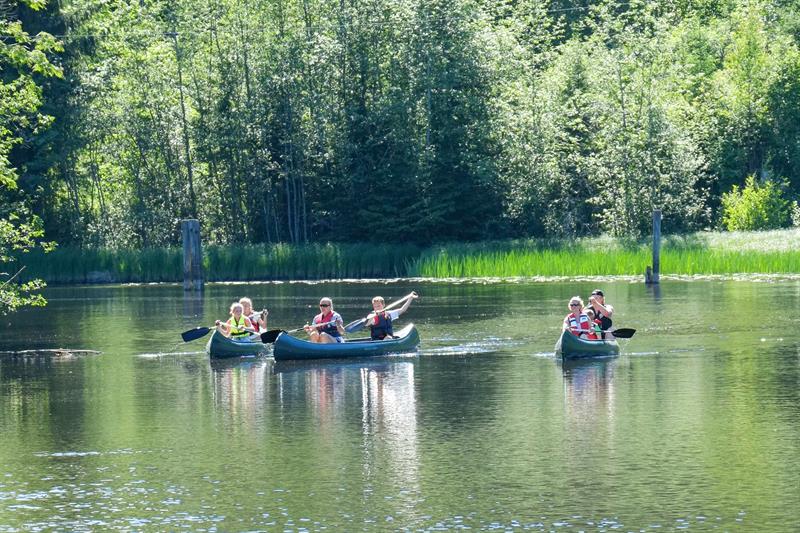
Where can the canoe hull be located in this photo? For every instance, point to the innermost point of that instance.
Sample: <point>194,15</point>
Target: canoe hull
<point>221,347</point>
<point>571,347</point>
<point>288,348</point>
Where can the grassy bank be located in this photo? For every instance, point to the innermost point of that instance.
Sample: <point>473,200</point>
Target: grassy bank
<point>772,252</point>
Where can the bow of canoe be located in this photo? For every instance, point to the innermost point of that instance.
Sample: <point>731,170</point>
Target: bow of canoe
<point>221,347</point>
<point>571,347</point>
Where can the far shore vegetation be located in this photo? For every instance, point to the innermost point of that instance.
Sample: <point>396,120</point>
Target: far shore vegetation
<point>758,252</point>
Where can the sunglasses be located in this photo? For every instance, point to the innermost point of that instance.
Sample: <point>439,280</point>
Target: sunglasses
<point>324,305</point>
<point>574,305</point>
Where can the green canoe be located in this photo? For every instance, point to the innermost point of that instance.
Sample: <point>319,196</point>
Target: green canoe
<point>571,347</point>
<point>291,348</point>
<point>221,347</point>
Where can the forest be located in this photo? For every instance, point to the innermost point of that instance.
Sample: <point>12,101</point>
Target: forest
<point>419,121</point>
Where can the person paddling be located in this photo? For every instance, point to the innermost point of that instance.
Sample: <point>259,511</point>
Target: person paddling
<point>602,312</point>
<point>577,322</point>
<point>380,321</point>
<point>327,326</point>
<point>237,326</point>
<point>258,320</point>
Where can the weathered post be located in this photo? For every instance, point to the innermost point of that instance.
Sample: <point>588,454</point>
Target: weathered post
<point>651,276</point>
<point>192,255</point>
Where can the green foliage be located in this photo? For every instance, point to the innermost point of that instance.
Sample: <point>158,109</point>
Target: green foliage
<point>401,120</point>
<point>757,206</point>
<point>697,253</point>
<point>23,59</point>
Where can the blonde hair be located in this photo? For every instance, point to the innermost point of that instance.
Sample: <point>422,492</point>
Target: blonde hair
<point>576,299</point>
<point>246,300</point>
<point>378,299</point>
<point>234,305</point>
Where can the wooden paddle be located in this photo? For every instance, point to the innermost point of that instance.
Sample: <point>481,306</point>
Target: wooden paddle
<point>269,336</point>
<point>358,325</point>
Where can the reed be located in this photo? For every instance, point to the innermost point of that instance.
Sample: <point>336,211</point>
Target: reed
<point>773,252</point>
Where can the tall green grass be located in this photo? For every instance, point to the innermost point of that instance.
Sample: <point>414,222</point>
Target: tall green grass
<point>773,252</point>
<point>220,263</point>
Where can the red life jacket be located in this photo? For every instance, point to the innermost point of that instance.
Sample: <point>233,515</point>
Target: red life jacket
<point>331,328</point>
<point>579,325</point>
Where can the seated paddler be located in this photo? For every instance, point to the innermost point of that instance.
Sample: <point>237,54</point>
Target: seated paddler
<point>380,320</point>
<point>577,322</point>
<point>238,326</point>
<point>327,326</point>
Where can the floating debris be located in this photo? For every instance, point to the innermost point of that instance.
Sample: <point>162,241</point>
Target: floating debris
<point>63,353</point>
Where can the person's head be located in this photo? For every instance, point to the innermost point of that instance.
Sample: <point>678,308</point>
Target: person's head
<point>378,303</point>
<point>575,304</point>
<point>247,305</point>
<point>236,309</point>
<point>325,305</point>
<point>597,294</point>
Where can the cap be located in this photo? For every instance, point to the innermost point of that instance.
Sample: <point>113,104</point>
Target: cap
<point>597,292</point>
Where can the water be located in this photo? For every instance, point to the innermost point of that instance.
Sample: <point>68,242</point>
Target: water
<point>695,426</point>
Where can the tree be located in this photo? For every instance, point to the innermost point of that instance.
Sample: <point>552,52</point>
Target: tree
<point>22,59</point>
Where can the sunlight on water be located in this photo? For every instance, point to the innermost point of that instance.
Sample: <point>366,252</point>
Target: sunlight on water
<point>692,427</point>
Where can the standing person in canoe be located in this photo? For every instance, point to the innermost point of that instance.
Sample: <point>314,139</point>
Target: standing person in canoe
<point>602,312</point>
<point>238,326</point>
<point>258,320</point>
<point>577,322</point>
<point>380,321</point>
<point>327,326</point>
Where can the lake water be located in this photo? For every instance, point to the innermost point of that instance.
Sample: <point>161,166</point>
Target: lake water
<point>696,425</point>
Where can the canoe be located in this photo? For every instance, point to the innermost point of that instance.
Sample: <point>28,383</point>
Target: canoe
<point>288,348</point>
<point>571,347</point>
<point>221,347</point>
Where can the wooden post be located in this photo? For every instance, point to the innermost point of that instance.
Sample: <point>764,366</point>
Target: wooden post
<point>192,255</point>
<point>651,276</point>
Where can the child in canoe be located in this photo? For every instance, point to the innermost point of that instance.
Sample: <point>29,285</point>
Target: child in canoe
<point>258,320</point>
<point>238,326</point>
<point>379,321</point>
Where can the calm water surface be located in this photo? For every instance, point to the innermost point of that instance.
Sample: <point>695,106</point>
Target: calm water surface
<point>695,426</point>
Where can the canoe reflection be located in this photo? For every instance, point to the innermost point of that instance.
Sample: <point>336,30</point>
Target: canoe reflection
<point>589,386</point>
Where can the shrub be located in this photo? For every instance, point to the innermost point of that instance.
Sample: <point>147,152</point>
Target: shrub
<point>755,207</point>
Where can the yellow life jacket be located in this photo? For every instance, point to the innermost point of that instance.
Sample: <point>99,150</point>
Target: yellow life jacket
<point>237,328</point>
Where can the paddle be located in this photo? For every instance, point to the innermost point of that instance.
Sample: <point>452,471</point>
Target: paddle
<point>269,336</point>
<point>623,333</point>
<point>195,333</point>
<point>358,325</point>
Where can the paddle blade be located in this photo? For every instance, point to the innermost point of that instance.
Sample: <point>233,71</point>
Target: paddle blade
<point>357,325</point>
<point>195,333</point>
<point>623,333</point>
<point>268,337</point>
